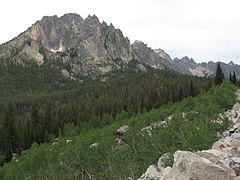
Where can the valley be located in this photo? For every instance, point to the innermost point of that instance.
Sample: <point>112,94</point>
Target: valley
<point>79,101</point>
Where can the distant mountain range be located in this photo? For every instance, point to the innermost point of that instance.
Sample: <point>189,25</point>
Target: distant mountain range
<point>89,47</point>
<point>189,66</point>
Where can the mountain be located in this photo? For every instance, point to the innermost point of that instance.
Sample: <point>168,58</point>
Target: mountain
<point>154,58</point>
<point>86,45</point>
<point>81,46</point>
<point>189,66</point>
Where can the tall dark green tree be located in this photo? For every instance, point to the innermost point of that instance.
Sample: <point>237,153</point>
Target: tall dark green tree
<point>192,90</point>
<point>219,75</point>
<point>230,76</point>
<point>234,78</point>
<point>10,132</point>
<point>35,116</point>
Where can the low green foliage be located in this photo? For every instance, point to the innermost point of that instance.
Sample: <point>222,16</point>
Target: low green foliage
<point>192,127</point>
<point>42,100</point>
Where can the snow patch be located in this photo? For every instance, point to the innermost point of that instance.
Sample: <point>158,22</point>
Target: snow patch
<point>60,49</point>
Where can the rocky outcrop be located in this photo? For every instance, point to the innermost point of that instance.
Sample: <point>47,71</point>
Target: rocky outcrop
<point>152,126</point>
<point>122,130</point>
<point>163,54</point>
<point>120,139</point>
<point>185,64</point>
<point>157,59</point>
<point>222,162</point>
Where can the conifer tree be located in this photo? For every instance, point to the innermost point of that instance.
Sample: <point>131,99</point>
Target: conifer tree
<point>219,75</point>
<point>192,91</point>
<point>180,94</point>
<point>10,135</point>
<point>35,116</point>
<point>234,78</point>
<point>230,76</point>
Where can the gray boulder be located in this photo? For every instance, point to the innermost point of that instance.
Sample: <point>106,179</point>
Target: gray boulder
<point>122,130</point>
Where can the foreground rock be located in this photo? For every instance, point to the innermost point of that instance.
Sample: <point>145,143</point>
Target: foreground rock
<point>122,130</point>
<point>222,162</point>
<point>120,140</point>
<point>188,166</point>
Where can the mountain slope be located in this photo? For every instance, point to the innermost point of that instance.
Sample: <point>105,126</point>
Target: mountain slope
<point>94,154</point>
<point>157,59</point>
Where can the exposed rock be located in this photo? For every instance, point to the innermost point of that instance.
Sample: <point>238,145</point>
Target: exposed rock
<point>148,129</point>
<point>163,160</point>
<point>142,68</point>
<point>236,107</point>
<point>94,145</point>
<point>14,156</point>
<point>119,141</point>
<point>148,56</point>
<point>188,165</point>
<point>122,130</point>
<point>222,162</point>
<point>152,173</point>
<point>163,54</point>
<point>129,178</point>
<point>166,171</point>
<point>68,141</point>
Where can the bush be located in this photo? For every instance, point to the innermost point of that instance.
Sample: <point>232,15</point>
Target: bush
<point>2,160</point>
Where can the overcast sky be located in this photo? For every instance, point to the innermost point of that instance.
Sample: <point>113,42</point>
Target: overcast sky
<point>202,29</point>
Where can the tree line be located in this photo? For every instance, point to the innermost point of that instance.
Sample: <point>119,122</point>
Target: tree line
<point>38,118</point>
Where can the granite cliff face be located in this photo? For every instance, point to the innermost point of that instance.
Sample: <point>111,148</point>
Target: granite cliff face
<point>86,45</point>
<point>154,58</point>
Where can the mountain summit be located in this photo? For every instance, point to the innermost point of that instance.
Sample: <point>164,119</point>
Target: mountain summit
<point>82,47</point>
<point>87,45</point>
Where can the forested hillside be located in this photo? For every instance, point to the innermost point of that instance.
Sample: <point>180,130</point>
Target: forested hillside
<point>44,100</point>
<point>90,151</point>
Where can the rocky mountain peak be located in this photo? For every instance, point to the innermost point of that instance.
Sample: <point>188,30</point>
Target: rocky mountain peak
<point>104,24</point>
<point>71,17</point>
<point>86,44</point>
<point>231,63</point>
<point>163,54</point>
<point>186,59</point>
<point>92,20</point>
<point>147,55</point>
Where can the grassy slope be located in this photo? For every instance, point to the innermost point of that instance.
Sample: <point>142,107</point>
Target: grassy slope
<point>75,160</point>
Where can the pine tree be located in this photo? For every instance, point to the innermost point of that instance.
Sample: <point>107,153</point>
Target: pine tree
<point>230,76</point>
<point>10,132</point>
<point>180,94</point>
<point>234,78</point>
<point>35,116</point>
<point>219,75</point>
<point>192,90</point>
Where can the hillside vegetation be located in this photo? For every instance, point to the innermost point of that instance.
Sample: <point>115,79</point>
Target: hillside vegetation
<point>35,110</point>
<point>192,126</point>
